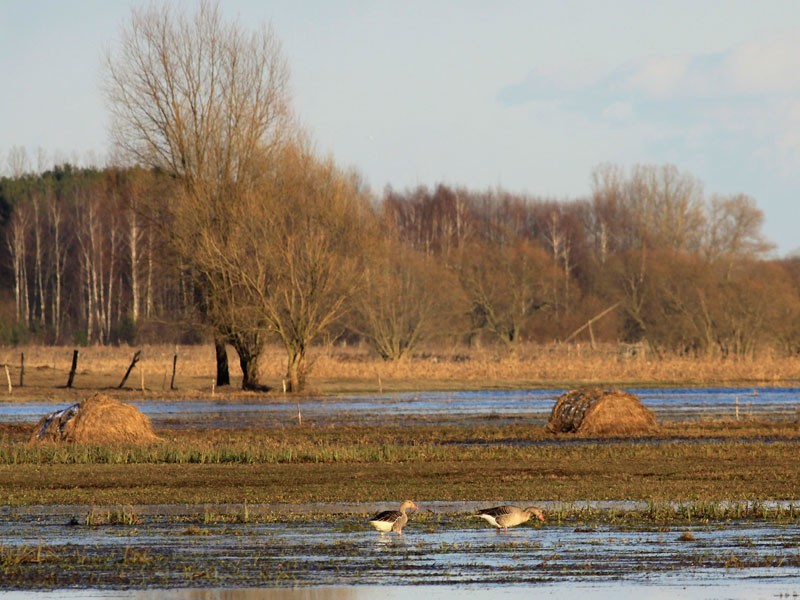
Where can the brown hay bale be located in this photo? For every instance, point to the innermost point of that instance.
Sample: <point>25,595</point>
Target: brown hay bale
<point>592,411</point>
<point>96,420</point>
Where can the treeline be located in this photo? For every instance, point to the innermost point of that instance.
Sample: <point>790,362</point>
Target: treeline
<point>86,258</point>
<point>82,264</point>
<point>662,262</point>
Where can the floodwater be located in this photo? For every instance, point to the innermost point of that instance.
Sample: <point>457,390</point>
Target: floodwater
<point>329,552</point>
<point>666,404</point>
<point>445,551</point>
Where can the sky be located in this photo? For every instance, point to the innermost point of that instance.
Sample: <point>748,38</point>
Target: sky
<point>528,96</point>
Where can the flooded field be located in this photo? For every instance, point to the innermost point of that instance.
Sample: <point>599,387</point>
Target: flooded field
<point>280,546</point>
<point>327,551</point>
<point>666,404</point>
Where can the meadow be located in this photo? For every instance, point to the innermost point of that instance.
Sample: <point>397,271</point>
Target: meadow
<point>341,369</point>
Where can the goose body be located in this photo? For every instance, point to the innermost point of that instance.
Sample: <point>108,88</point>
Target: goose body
<point>392,520</point>
<point>504,517</point>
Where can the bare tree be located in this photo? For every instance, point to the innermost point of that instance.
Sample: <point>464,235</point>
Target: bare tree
<point>734,229</point>
<point>408,298</point>
<point>293,259</point>
<point>653,206</point>
<point>507,286</point>
<point>16,241</point>
<point>59,258</point>
<point>205,101</point>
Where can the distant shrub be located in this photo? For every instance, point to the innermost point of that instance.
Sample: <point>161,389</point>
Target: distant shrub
<point>125,331</point>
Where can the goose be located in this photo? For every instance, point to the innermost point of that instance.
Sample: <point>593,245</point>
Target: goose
<point>393,520</point>
<point>504,517</point>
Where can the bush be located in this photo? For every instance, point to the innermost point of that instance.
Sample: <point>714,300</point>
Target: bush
<point>125,331</point>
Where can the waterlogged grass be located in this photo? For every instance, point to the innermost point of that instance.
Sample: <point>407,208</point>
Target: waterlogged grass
<point>384,444</point>
<point>124,515</point>
<point>689,462</point>
<point>438,548</point>
<point>677,513</point>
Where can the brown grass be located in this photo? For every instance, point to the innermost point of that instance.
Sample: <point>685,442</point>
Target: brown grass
<point>96,420</point>
<point>592,411</point>
<point>334,369</point>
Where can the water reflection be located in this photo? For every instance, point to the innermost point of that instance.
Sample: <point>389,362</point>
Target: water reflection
<point>319,593</point>
<point>733,590</point>
<point>340,557</point>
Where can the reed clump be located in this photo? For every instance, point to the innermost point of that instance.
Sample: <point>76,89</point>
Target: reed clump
<point>124,515</point>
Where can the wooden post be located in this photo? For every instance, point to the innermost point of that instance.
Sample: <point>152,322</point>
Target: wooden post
<point>73,369</point>
<point>21,369</point>
<point>174,368</point>
<point>8,378</point>
<point>141,376</point>
<point>588,324</point>
<point>130,368</point>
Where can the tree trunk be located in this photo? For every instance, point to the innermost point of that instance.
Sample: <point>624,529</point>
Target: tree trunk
<point>296,371</point>
<point>37,231</point>
<point>133,247</point>
<point>223,373</point>
<point>249,346</point>
<point>59,255</point>
<point>148,306</point>
<point>111,260</point>
<point>16,248</point>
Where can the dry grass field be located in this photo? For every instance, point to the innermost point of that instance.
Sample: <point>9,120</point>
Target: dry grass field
<point>335,370</point>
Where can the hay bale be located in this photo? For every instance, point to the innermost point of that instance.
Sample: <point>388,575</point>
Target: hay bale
<point>96,420</point>
<point>592,411</point>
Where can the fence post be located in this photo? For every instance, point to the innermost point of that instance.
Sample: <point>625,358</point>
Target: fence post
<point>174,368</point>
<point>130,368</point>
<point>73,369</point>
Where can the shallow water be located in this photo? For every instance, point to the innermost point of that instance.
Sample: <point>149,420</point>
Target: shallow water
<point>666,403</point>
<point>738,590</point>
<point>290,553</point>
<point>321,552</point>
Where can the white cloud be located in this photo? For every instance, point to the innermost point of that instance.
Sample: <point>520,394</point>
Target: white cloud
<point>769,65</point>
<point>660,76</point>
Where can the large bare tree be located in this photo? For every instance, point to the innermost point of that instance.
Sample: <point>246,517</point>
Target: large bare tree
<point>205,101</point>
<point>295,257</point>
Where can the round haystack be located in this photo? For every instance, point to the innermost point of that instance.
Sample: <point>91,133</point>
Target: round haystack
<point>96,420</point>
<point>592,411</point>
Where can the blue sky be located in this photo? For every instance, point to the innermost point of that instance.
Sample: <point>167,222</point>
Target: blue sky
<point>527,95</point>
